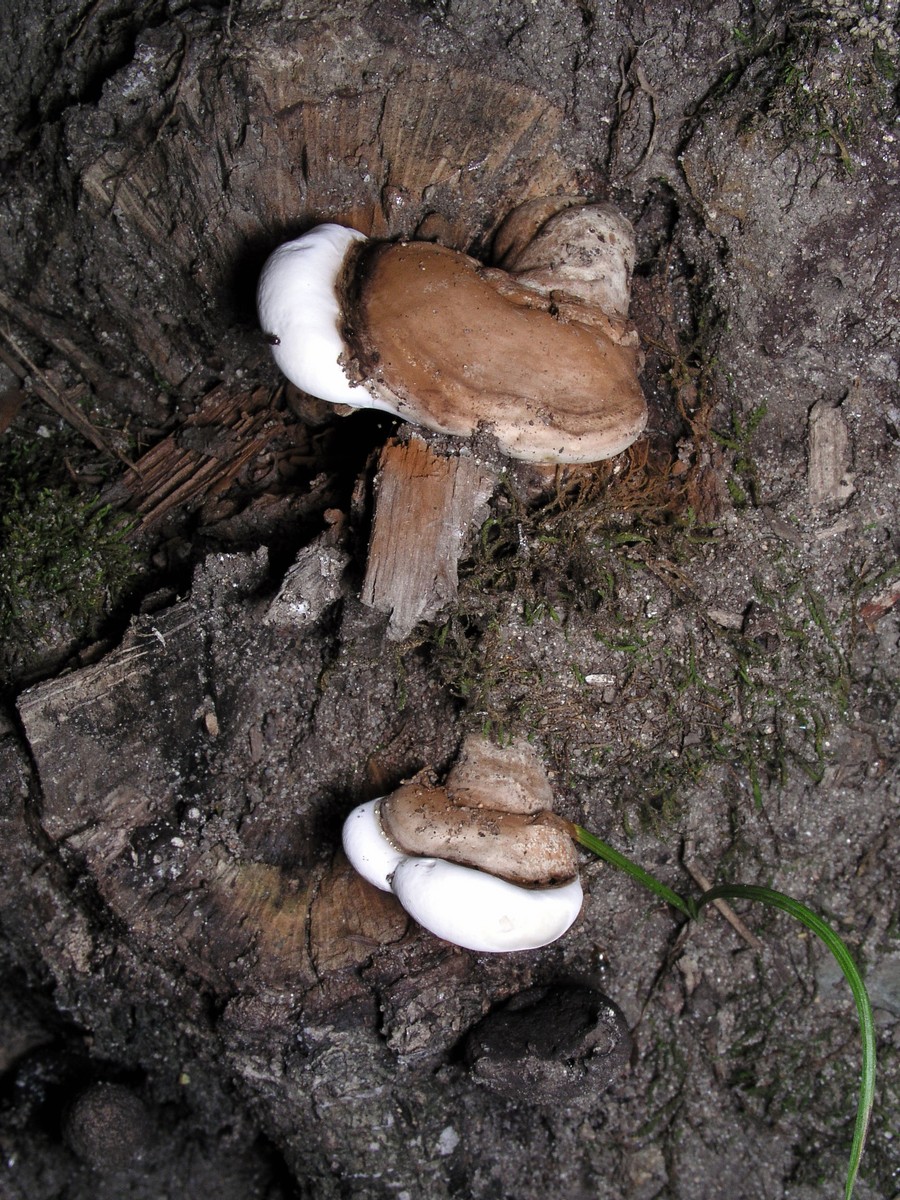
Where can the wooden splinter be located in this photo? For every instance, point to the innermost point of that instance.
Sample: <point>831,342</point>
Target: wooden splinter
<point>425,504</point>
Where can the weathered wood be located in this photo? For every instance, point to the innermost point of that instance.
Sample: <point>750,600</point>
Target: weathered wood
<point>349,919</point>
<point>113,789</point>
<point>829,477</point>
<point>158,160</point>
<point>205,455</point>
<point>426,504</point>
<point>313,583</point>
<point>223,146</point>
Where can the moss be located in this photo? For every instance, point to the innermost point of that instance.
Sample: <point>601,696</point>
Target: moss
<point>64,563</point>
<point>820,73</point>
<point>742,479</point>
<point>591,632</point>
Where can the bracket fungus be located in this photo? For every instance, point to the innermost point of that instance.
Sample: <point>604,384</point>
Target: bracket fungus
<point>482,861</point>
<point>539,353</point>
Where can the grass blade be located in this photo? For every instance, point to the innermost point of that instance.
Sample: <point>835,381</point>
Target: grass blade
<point>851,973</point>
<point>615,859</point>
<point>805,916</point>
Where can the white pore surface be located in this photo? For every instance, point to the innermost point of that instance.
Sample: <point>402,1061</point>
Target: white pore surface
<point>368,849</point>
<point>480,911</point>
<point>297,303</point>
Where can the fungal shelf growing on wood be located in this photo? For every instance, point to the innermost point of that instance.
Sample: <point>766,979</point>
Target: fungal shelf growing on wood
<point>536,357</point>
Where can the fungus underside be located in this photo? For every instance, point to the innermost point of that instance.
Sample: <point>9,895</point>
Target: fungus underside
<point>691,909</point>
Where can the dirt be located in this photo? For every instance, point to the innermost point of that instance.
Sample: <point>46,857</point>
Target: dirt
<point>701,638</point>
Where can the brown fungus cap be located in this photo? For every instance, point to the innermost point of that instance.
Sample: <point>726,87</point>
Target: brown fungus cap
<point>457,347</point>
<point>508,778</point>
<point>583,253</point>
<point>531,850</point>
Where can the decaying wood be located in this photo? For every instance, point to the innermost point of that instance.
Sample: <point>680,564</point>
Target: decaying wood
<point>111,781</point>
<point>426,503</point>
<point>167,875</point>
<point>829,478</point>
<point>349,918</point>
<point>313,583</point>
<point>270,145</point>
<point>204,456</point>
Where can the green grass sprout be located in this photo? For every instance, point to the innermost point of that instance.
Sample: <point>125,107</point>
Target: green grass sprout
<point>615,859</point>
<point>691,909</point>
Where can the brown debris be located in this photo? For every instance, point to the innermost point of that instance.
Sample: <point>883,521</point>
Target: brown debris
<point>880,604</point>
<point>11,401</point>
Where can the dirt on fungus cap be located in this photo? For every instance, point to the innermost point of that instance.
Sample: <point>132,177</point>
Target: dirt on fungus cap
<point>534,849</point>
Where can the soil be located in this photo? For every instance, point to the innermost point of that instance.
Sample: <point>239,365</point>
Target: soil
<point>700,638</point>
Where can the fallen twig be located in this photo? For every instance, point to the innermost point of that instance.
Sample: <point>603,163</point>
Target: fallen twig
<point>60,404</point>
<point>724,908</point>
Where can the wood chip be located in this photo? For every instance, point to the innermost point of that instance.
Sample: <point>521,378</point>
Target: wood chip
<point>202,458</point>
<point>313,583</point>
<point>880,604</point>
<point>426,503</point>
<point>829,478</point>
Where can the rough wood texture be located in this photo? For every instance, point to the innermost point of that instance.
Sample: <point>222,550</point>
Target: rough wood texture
<point>129,792</point>
<point>426,504</point>
<point>830,481</point>
<point>227,145</point>
<point>195,781</point>
<point>206,454</point>
<point>315,581</point>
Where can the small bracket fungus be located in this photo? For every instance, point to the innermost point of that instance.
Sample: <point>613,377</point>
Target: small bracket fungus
<point>482,862</point>
<point>540,354</point>
<point>533,849</point>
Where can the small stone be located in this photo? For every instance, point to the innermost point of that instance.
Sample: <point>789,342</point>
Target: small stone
<point>448,1141</point>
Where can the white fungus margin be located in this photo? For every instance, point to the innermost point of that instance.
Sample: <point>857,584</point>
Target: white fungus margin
<point>470,908</point>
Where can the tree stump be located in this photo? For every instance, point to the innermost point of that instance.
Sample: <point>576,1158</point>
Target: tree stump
<point>195,778</point>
